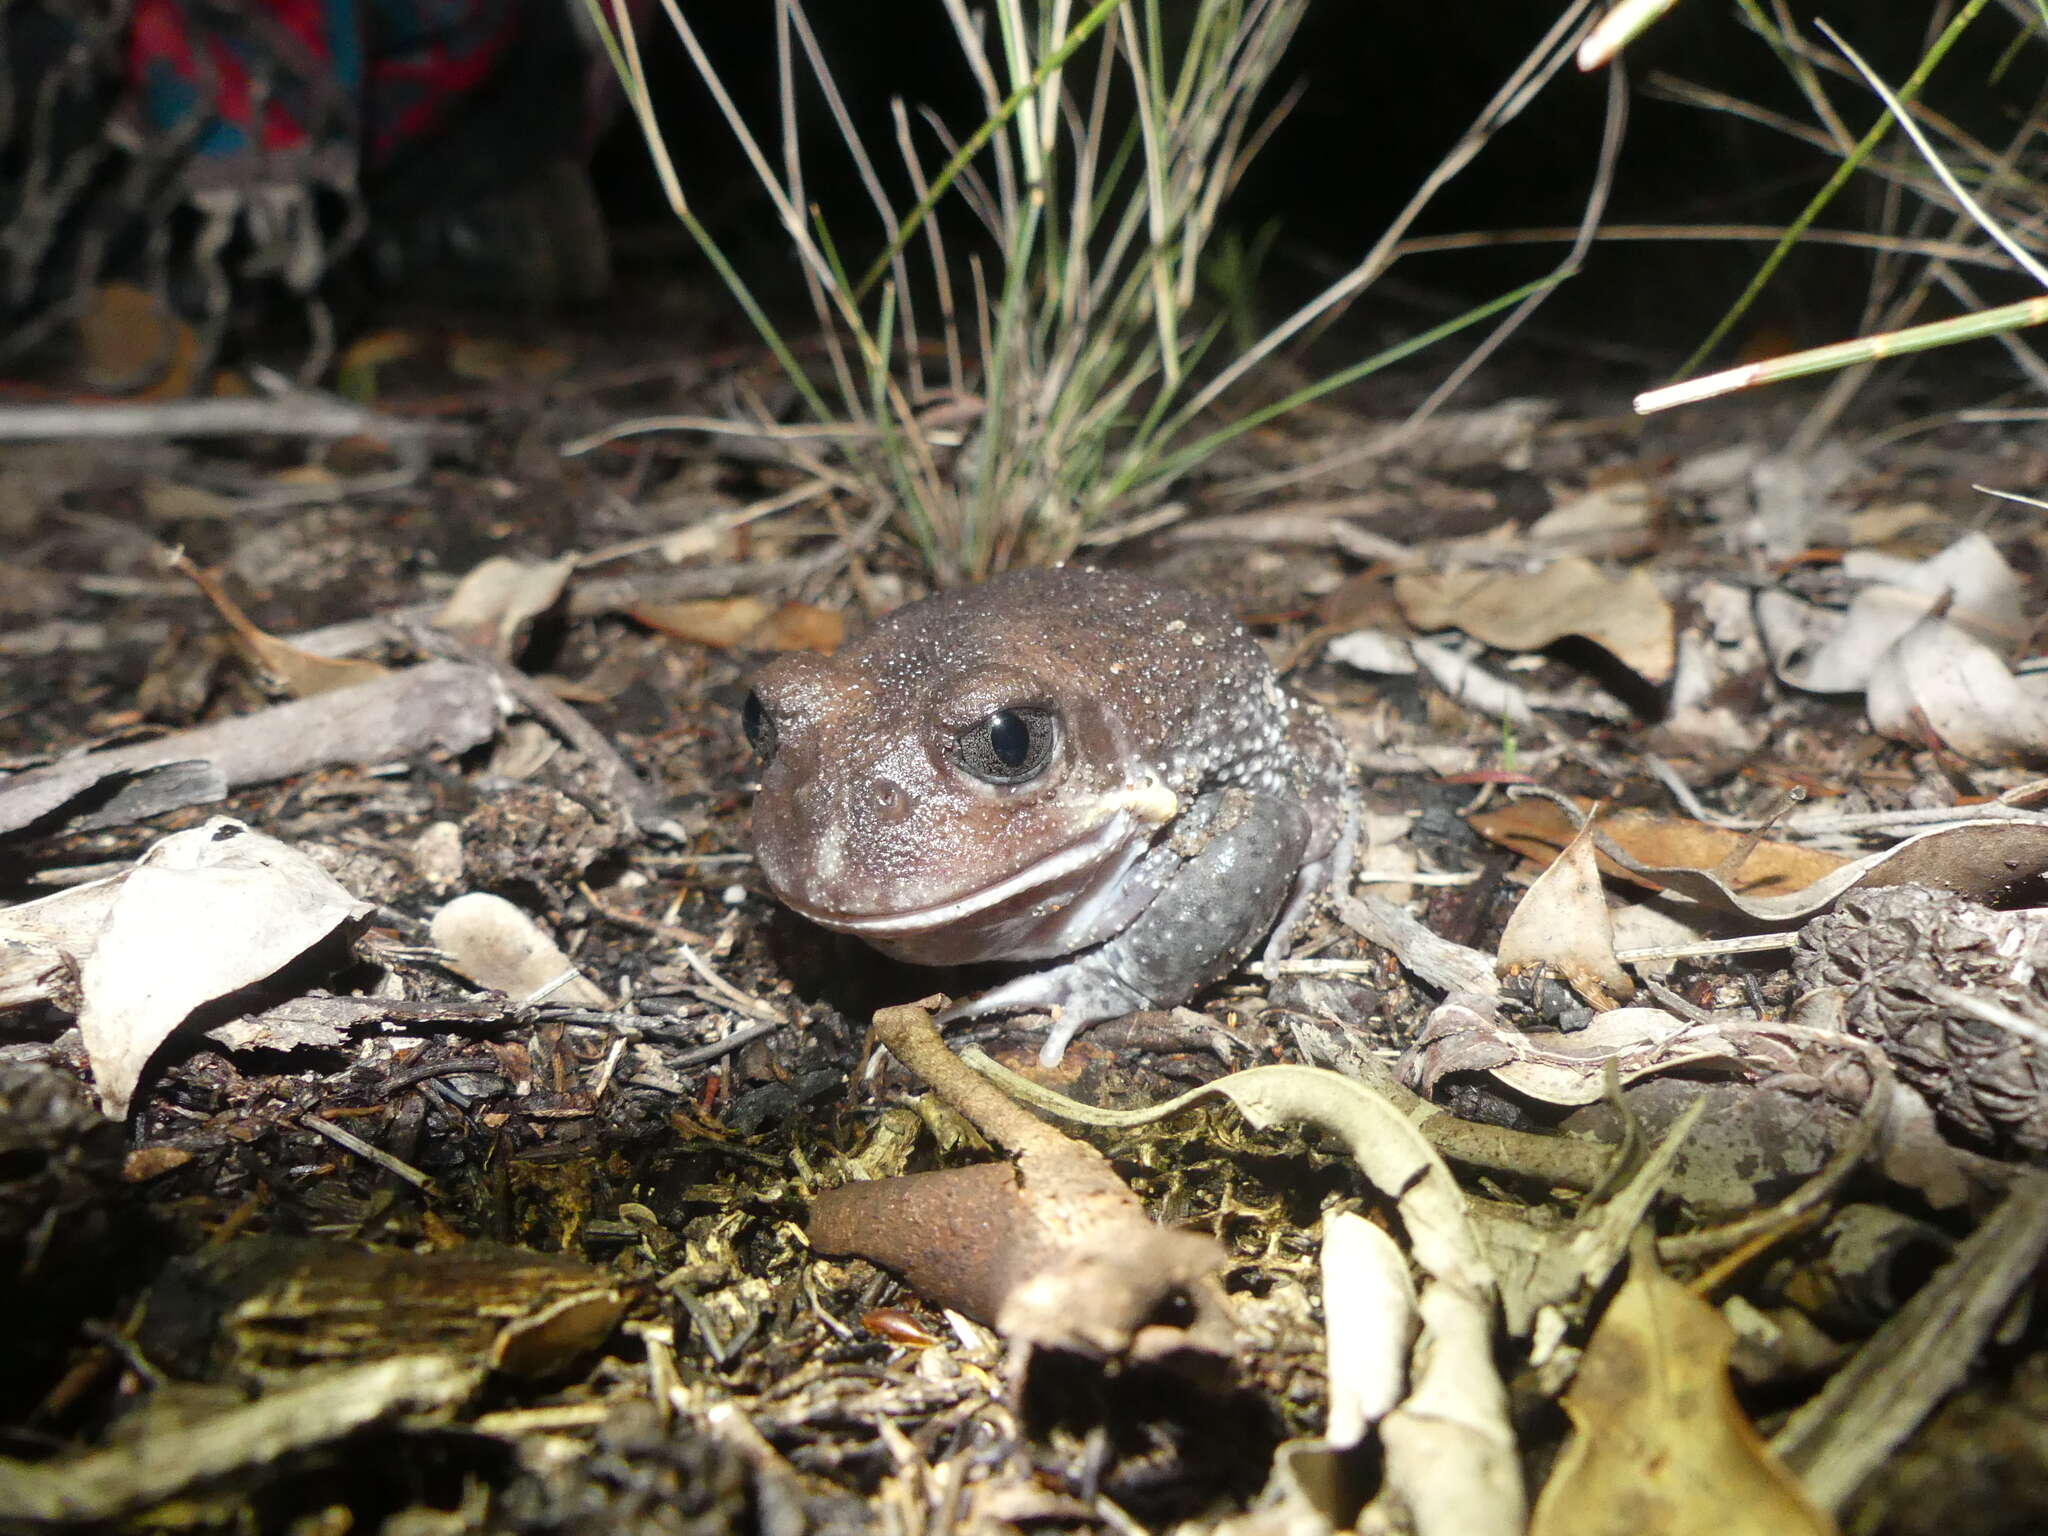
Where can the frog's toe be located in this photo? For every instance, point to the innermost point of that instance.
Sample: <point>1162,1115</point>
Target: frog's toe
<point>1076,996</point>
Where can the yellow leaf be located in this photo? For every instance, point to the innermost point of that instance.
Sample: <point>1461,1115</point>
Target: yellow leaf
<point>1660,1444</point>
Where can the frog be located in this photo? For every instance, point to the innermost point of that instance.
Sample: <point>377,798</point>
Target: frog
<point>1095,776</point>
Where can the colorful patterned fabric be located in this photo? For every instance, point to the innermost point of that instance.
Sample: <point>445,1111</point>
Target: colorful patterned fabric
<point>211,150</point>
<point>267,78</point>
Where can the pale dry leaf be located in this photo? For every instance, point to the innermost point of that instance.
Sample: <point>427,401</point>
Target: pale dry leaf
<point>1612,519</point>
<point>1468,683</point>
<point>497,945</point>
<point>1936,679</point>
<point>1562,922</point>
<point>172,501</point>
<point>1718,648</point>
<point>1449,1445</point>
<point>1720,475</point>
<point>1571,1068</point>
<point>1370,1322</point>
<point>1792,493</point>
<point>44,942</point>
<point>1374,650</point>
<point>1561,1068</point>
<point>204,913</point>
<point>1982,589</point>
<point>1881,524</point>
<point>1623,613</point>
<point>498,598</point>
<point>1825,650</point>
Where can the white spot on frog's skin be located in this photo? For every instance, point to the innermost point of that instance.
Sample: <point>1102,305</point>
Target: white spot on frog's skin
<point>829,861</point>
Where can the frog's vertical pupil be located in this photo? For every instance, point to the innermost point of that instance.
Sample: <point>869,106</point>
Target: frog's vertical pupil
<point>1009,737</point>
<point>759,726</point>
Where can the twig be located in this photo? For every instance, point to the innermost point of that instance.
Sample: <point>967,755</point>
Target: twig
<point>295,415</point>
<point>637,801</point>
<point>1747,944</point>
<point>835,431</point>
<point>753,1007</point>
<point>363,1149</point>
<point>717,1050</point>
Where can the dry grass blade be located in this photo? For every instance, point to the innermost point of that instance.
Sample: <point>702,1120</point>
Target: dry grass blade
<point>1841,354</point>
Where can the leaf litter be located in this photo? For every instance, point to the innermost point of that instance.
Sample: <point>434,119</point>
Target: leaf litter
<point>1605,1149</point>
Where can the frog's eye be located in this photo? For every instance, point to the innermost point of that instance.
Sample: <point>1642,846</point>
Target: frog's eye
<point>1011,746</point>
<point>759,726</point>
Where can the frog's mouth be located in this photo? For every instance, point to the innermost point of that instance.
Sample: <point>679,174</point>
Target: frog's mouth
<point>1032,912</point>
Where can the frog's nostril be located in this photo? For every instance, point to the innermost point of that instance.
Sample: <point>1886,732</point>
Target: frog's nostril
<point>889,801</point>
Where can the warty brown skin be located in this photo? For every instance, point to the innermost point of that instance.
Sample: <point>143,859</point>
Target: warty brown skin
<point>1065,765</point>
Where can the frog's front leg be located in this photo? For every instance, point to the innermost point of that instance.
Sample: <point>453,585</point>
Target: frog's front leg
<point>1236,855</point>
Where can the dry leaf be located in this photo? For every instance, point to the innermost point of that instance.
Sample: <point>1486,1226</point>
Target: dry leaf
<point>1562,922</point>
<point>1449,1448</point>
<point>203,914</point>
<point>1985,859</point>
<point>172,501</point>
<point>134,344</point>
<point>317,476</point>
<point>1936,679</point>
<point>1660,1443</point>
<point>491,604</point>
<point>745,622</point>
<point>1536,827</point>
<point>724,622</point>
<point>1378,651</point>
<point>1824,650</point>
<point>1624,614</point>
<point>495,360</point>
<point>1370,1323</point>
<point>800,627</point>
<point>1882,524</point>
<point>496,945</point>
<point>356,372</point>
<point>1051,1247</point>
<point>1612,519</point>
<point>1559,1068</point>
<point>301,672</point>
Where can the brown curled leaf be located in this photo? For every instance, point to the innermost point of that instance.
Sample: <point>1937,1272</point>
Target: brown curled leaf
<point>1053,1250</point>
<point>959,1237</point>
<point>1537,827</point>
<point>301,673</point>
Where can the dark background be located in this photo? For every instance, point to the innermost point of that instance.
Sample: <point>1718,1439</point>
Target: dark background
<point>1388,89</point>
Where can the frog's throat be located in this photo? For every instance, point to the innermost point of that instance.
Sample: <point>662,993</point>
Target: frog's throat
<point>1129,809</point>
